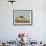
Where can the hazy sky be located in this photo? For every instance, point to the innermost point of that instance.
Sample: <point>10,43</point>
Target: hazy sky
<point>26,14</point>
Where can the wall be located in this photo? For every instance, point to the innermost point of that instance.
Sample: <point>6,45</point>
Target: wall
<point>38,30</point>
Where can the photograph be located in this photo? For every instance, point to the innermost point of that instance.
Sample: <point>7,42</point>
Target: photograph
<point>22,17</point>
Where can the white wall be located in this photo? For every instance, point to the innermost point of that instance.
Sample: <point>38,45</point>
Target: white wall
<point>38,30</point>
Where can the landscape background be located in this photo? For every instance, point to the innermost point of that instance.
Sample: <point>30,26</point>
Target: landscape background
<point>26,16</point>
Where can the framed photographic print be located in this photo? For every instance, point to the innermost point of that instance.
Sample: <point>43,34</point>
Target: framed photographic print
<point>22,17</point>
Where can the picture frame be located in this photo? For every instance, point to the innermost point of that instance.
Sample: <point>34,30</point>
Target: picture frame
<point>22,17</point>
